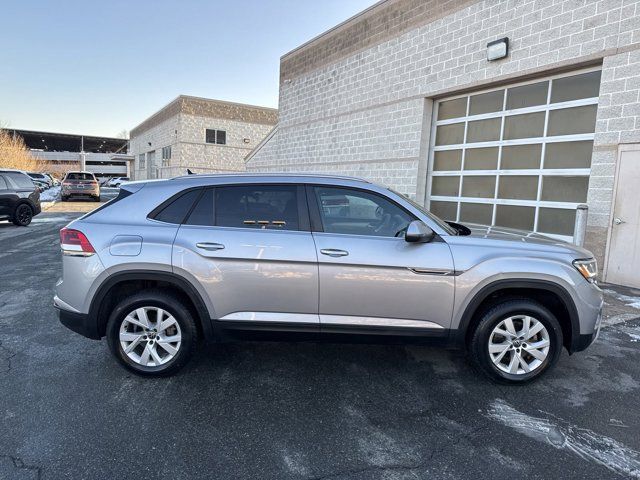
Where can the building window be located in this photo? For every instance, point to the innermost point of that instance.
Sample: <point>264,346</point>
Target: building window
<point>218,137</point>
<point>166,156</point>
<point>141,161</point>
<point>518,156</point>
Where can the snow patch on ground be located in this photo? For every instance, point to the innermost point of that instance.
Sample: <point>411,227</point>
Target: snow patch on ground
<point>633,302</point>
<point>50,195</point>
<point>561,435</point>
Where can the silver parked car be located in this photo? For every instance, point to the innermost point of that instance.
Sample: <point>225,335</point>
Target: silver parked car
<point>216,256</point>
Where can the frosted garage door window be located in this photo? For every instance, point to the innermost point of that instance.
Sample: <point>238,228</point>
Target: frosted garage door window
<point>523,152</point>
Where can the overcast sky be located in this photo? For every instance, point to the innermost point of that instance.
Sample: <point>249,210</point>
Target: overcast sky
<point>99,67</point>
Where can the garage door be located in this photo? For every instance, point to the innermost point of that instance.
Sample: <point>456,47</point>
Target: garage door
<point>517,156</point>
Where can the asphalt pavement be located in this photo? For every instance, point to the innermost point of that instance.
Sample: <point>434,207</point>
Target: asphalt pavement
<point>294,410</point>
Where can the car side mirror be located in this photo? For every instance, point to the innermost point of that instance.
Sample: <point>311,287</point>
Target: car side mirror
<point>418,232</point>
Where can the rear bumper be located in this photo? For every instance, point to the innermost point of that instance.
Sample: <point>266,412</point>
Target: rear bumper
<point>73,192</point>
<point>79,323</point>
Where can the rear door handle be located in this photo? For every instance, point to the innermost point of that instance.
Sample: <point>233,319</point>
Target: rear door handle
<point>210,246</point>
<point>334,252</point>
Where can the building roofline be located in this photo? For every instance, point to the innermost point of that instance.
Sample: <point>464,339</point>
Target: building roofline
<point>373,26</point>
<point>62,134</point>
<point>334,29</point>
<point>156,113</point>
<point>182,103</point>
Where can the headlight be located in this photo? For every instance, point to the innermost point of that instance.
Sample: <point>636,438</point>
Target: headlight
<point>588,268</point>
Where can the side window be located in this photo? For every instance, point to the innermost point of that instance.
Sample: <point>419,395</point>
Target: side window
<point>273,207</point>
<point>178,209</point>
<point>356,212</point>
<point>3,183</point>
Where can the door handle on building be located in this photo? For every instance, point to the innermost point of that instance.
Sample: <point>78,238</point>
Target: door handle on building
<point>210,246</point>
<point>618,221</point>
<point>334,252</point>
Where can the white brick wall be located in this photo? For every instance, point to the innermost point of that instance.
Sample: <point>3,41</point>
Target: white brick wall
<point>159,136</point>
<point>186,135</point>
<point>349,116</point>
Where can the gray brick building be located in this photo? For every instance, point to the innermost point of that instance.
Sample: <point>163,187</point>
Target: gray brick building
<point>403,94</point>
<point>199,134</point>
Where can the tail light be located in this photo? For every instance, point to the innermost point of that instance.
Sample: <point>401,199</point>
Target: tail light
<point>74,242</point>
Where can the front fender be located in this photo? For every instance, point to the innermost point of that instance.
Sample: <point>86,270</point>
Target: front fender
<point>478,283</point>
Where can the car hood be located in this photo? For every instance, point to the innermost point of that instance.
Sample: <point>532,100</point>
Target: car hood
<point>524,239</point>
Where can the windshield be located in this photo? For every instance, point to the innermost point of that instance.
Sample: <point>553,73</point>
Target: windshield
<point>441,223</point>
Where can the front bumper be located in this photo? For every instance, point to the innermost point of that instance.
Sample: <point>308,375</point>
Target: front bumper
<point>585,340</point>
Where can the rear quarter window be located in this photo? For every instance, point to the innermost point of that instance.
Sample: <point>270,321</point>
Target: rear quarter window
<point>176,209</point>
<point>19,180</point>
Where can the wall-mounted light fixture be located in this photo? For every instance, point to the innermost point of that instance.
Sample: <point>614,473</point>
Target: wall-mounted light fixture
<point>498,49</point>
<point>149,143</point>
<point>246,140</point>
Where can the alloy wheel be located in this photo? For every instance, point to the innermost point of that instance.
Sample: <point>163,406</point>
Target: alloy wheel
<point>23,214</point>
<point>150,336</point>
<point>519,344</point>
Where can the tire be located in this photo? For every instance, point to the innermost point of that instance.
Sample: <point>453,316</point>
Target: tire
<point>97,199</point>
<point>23,215</point>
<point>63,198</point>
<point>504,364</point>
<point>119,324</point>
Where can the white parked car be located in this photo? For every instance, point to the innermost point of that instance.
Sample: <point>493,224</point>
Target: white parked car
<point>116,181</point>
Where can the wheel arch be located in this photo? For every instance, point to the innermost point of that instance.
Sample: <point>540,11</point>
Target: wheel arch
<point>23,201</point>
<point>560,303</point>
<point>107,295</point>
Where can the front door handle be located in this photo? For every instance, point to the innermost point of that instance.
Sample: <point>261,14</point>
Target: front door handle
<point>334,252</point>
<point>210,246</point>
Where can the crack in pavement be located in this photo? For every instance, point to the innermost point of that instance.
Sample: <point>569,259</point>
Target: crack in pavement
<point>20,465</point>
<point>7,358</point>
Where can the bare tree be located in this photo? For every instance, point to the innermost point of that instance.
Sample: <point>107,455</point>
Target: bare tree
<point>15,154</point>
<point>124,134</point>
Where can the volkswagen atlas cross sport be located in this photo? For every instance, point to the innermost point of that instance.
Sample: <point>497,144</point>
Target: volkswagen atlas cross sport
<point>169,262</point>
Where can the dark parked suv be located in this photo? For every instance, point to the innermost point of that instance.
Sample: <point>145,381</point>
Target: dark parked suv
<point>19,197</point>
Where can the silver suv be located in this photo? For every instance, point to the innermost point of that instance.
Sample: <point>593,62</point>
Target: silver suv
<point>214,257</point>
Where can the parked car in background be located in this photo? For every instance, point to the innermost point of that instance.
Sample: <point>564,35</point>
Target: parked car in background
<point>19,197</point>
<point>116,181</point>
<point>54,182</point>
<point>41,178</point>
<point>80,184</point>
<point>216,255</point>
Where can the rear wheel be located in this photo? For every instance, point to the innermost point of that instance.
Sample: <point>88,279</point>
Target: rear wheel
<point>516,341</point>
<point>97,199</point>
<point>152,333</point>
<point>23,215</point>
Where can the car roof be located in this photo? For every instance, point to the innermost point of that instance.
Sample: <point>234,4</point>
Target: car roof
<point>79,171</point>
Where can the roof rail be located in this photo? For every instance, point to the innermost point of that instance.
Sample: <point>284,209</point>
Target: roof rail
<point>246,174</point>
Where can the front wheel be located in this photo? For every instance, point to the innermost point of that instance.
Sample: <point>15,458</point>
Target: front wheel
<point>152,333</point>
<point>516,341</point>
<point>23,215</point>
